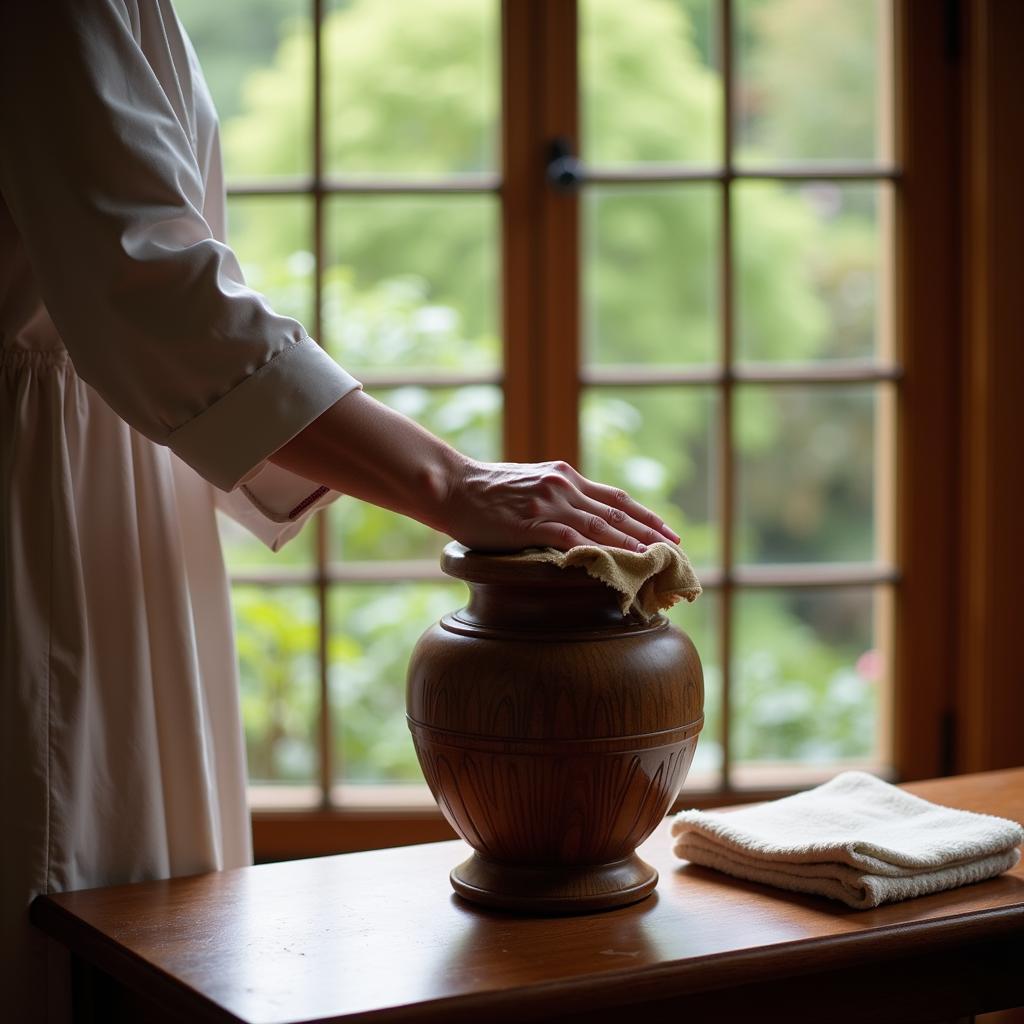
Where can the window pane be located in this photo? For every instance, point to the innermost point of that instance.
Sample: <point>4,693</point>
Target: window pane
<point>700,621</point>
<point>814,269</point>
<point>651,92</point>
<point>273,240</point>
<point>806,475</point>
<point>257,57</point>
<point>470,419</point>
<point>411,88</point>
<point>276,634</point>
<point>810,675</point>
<point>412,282</point>
<point>813,80</point>
<point>660,444</point>
<point>373,631</point>
<point>650,274</point>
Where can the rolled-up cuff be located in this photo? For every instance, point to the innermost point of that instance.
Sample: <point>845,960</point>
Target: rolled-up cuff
<point>231,438</point>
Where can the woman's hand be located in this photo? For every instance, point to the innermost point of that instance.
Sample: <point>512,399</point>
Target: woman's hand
<point>509,505</point>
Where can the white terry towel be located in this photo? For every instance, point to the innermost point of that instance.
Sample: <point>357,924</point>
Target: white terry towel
<point>855,839</point>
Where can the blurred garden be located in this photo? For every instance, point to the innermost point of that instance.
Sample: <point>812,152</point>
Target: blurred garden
<point>412,282</point>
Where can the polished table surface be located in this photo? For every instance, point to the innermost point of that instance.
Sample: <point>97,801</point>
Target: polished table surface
<point>381,936</point>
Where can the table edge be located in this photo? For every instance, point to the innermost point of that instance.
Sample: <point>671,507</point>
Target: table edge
<point>92,946</point>
<point>663,980</point>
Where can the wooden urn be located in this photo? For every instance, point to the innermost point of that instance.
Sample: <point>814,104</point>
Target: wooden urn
<point>553,731</point>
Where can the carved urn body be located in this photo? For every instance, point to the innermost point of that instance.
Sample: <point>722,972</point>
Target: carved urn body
<point>553,731</point>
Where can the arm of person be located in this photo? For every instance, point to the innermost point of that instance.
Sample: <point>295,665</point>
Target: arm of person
<point>99,173</point>
<point>363,448</point>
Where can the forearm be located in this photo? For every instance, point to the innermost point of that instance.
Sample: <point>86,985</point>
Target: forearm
<point>364,449</point>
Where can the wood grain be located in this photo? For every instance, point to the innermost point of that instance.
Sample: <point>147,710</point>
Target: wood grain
<point>380,936</point>
<point>927,336</point>
<point>558,340</point>
<point>522,256</point>
<point>989,694</point>
<point>553,731</point>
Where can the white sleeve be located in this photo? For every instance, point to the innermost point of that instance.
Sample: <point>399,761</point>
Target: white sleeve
<point>102,182</point>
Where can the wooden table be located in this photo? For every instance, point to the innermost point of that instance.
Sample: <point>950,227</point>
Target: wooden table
<point>379,936</point>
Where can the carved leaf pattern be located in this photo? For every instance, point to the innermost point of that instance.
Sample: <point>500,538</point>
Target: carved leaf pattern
<point>544,809</point>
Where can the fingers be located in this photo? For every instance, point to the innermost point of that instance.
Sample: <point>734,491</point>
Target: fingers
<point>618,520</point>
<point>581,527</point>
<point>617,498</point>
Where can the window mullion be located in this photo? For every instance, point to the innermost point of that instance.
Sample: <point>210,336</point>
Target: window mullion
<point>726,494</point>
<point>324,724</point>
<point>927,431</point>
<point>540,232</point>
<point>521,198</point>
<point>559,336</point>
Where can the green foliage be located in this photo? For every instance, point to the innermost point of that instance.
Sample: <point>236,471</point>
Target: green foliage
<point>412,89</point>
<point>276,639</point>
<point>812,500</point>
<point>283,274</point>
<point>811,74</point>
<point>375,628</point>
<point>238,41</point>
<point>657,445</point>
<point>799,694</point>
<point>651,276</point>
<point>648,93</point>
<point>233,43</point>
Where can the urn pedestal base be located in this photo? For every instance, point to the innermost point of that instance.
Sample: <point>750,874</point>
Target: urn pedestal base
<point>554,889</point>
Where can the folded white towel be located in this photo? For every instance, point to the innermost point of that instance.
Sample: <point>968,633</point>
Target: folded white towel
<point>856,839</point>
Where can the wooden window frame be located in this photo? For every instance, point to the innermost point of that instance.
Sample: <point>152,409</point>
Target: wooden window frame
<point>987,700</point>
<point>542,378</point>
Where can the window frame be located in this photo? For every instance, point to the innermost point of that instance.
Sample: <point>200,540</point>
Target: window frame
<point>542,377</point>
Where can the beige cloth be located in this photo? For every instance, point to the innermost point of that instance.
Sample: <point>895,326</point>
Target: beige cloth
<point>856,839</point>
<point>647,581</point>
<point>140,380</point>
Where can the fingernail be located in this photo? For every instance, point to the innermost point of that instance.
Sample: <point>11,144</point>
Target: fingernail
<point>641,547</point>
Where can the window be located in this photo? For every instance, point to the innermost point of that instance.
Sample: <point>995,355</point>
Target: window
<point>737,357</point>
<point>708,316</point>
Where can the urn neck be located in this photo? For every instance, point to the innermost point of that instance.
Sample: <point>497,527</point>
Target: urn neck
<point>539,608</point>
<point>534,598</point>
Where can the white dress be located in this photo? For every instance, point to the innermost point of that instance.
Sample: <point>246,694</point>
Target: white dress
<point>140,383</point>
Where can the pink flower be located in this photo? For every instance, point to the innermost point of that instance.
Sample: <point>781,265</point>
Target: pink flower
<point>870,666</point>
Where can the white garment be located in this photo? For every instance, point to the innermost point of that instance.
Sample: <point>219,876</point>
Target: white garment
<point>136,372</point>
<point>855,838</point>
